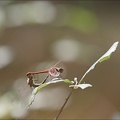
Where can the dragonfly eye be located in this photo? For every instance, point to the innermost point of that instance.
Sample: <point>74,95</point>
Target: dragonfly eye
<point>61,70</point>
<point>28,74</point>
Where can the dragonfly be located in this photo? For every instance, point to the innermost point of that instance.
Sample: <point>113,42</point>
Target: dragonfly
<point>26,92</point>
<point>53,71</point>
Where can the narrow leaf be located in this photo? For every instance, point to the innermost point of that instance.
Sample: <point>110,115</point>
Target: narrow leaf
<point>35,91</point>
<point>32,97</point>
<point>106,56</point>
<point>83,86</point>
<point>40,87</point>
<point>68,81</point>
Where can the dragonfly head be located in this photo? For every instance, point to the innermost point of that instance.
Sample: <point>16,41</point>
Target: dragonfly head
<point>60,69</point>
<point>29,74</point>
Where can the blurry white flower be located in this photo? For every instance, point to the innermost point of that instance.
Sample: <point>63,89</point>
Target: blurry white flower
<point>82,86</point>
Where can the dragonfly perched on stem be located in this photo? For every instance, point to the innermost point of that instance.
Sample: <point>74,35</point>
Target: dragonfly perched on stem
<point>53,71</point>
<point>24,93</point>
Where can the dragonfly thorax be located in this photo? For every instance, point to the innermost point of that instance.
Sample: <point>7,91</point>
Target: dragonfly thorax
<point>54,72</point>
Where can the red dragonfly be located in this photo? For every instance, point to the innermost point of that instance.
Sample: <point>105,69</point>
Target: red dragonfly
<point>26,91</point>
<point>53,71</point>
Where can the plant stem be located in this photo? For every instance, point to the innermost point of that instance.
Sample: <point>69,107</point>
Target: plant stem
<point>60,111</point>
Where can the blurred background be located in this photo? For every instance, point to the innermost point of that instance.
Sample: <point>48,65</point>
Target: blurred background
<point>35,35</point>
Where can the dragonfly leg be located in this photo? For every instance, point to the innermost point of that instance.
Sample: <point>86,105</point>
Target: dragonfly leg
<point>45,79</point>
<point>60,76</point>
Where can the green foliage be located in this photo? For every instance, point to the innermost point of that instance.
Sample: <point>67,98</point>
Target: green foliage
<point>68,81</point>
<point>82,19</point>
<point>105,58</point>
<point>35,91</point>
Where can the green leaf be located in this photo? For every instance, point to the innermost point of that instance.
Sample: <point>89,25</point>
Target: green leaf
<point>32,97</point>
<point>40,87</point>
<point>68,81</point>
<point>106,56</point>
<point>35,91</point>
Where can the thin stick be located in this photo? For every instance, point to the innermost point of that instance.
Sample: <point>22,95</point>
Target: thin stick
<point>60,111</point>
